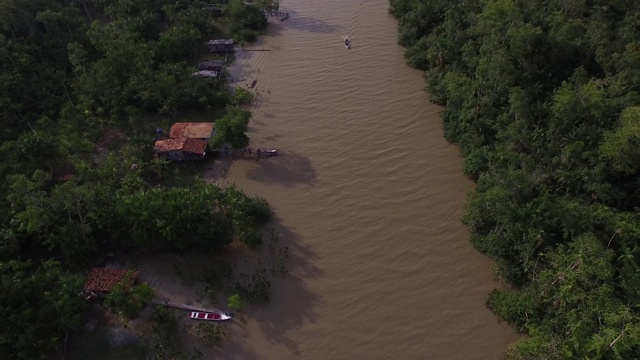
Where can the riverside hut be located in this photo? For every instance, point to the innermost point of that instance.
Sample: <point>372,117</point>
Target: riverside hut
<point>181,149</point>
<point>213,65</point>
<point>192,130</point>
<point>220,45</point>
<point>101,280</point>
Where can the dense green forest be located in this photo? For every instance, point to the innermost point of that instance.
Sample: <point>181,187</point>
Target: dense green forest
<point>84,84</point>
<point>542,98</point>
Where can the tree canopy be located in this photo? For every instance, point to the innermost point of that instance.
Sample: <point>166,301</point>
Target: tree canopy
<point>542,99</point>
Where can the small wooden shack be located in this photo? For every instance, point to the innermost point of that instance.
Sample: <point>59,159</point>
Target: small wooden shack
<point>213,65</point>
<point>181,149</point>
<point>207,74</point>
<point>220,45</point>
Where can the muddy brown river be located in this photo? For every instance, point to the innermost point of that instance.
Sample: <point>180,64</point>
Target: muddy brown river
<point>368,197</point>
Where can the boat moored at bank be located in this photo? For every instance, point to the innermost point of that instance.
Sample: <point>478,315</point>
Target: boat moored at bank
<point>211,316</point>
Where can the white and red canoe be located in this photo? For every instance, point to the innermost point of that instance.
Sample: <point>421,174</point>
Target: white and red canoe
<point>211,316</point>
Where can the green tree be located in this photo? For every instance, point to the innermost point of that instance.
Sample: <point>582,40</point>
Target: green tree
<point>232,129</point>
<point>244,20</point>
<point>170,219</point>
<point>236,302</point>
<point>245,213</point>
<point>129,300</point>
<point>621,147</point>
<point>241,96</point>
<point>38,304</point>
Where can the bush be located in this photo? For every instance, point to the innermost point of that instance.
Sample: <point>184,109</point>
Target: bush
<point>210,335</point>
<point>129,301</point>
<point>245,35</point>
<point>241,96</point>
<point>476,162</point>
<point>236,302</point>
<point>512,306</point>
<point>232,129</point>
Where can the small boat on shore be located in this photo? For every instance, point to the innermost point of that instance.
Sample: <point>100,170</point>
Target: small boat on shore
<point>285,17</point>
<point>266,152</point>
<point>221,316</point>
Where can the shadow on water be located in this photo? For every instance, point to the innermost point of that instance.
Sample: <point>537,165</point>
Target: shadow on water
<point>287,169</point>
<point>292,305</point>
<point>241,72</point>
<point>273,137</point>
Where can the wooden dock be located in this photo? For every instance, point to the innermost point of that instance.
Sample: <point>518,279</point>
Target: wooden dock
<point>244,152</point>
<point>168,303</point>
<point>277,13</point>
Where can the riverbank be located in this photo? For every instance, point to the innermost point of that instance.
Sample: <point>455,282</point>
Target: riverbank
<point>548,137</point>
<point>200,280</point>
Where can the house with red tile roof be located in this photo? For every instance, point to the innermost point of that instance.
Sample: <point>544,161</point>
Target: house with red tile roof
<point>202,131</point>
<point>181,148</point>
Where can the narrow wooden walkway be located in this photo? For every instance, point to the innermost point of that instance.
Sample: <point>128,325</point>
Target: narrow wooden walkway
<point>243,153</point>
<point>182,306</point>
<point>276,13</point>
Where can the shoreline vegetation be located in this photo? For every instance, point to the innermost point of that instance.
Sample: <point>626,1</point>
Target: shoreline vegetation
<point>85,85</point>
<point>542,99</point>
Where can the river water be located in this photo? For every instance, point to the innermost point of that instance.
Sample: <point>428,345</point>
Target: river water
<point>368,197</point>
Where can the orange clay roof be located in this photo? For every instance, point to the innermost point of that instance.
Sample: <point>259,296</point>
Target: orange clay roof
<point>103,279</point>
<point>191,130</point>
<point>195,146</point>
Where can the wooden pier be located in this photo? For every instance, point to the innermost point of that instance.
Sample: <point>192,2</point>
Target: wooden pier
<point>257,153</point>
<point>281,14</point>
